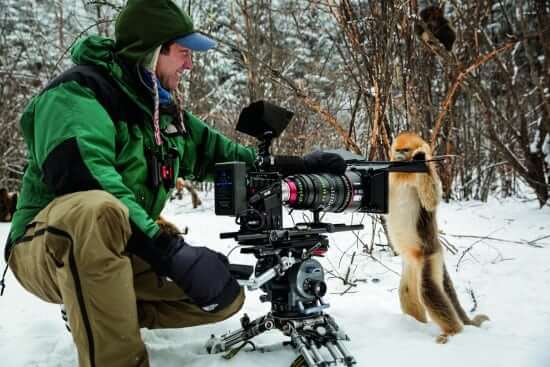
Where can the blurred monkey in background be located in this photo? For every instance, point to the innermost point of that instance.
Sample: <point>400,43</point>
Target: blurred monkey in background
<point>8,203</point>
<point>182,184</point>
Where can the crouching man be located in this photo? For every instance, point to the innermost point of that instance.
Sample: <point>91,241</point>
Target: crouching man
<point>106,141</point>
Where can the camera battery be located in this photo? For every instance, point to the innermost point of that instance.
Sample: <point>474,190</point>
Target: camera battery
<point>230,188</point>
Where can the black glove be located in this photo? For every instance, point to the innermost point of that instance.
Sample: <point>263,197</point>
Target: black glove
<point>324,162</point>
<point>201,273</point>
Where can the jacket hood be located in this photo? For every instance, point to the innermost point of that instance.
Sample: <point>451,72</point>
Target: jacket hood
<point>144,25</point>
<point>100,51</point>
<point>94,50</point>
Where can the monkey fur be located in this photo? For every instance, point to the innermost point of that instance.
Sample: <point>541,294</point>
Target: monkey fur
<point>183,184</point>
<point>8,203</point>
<point>425,288</point>
<point>438,25</point>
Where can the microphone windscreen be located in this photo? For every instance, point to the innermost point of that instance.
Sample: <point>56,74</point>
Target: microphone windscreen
<point>289,165</point>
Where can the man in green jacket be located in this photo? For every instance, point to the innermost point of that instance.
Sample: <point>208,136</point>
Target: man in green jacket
<point>106,141</point>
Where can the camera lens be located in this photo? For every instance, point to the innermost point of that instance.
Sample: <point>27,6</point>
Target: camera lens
<point>326,192</point>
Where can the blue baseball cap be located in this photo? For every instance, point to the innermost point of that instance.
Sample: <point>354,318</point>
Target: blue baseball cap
<point>196,41</point>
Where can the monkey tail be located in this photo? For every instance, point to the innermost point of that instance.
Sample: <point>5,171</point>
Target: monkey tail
<point>478,320</point>
<point>449,289</point>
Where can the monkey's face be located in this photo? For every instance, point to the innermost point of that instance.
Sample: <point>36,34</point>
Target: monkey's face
<point>401,154</point>
<point>409,146</point>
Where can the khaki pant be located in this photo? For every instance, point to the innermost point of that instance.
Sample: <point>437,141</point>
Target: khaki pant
<point>73,253</point>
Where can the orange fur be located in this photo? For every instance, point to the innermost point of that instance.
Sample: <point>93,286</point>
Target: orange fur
<point>426,288</point>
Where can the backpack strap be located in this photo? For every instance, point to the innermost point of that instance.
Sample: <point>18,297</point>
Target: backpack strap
<point>119,106</point>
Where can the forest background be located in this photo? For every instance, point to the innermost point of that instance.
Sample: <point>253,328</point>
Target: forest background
<point>355,73</point>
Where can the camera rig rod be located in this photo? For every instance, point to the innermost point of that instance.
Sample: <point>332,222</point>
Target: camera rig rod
<point>317,339</point>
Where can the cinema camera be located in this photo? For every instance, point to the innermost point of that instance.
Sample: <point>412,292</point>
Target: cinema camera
<point>286,269</point>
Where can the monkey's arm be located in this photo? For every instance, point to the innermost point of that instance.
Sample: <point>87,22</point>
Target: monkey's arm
<point>429,189</point>
<point>428,184</point>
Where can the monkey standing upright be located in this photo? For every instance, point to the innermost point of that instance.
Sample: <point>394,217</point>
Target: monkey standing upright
<point>426,288</point>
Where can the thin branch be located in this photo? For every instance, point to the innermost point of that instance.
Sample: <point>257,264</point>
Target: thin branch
<point>457,83</point>
<point>523,242</point>
<point>101,21</point>
<point>474,299</point>
<point>309,102</point>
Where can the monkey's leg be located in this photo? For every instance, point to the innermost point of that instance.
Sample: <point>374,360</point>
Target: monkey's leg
<point>194,195</point>
<point>434,297</point>
<point>409,292</point>
<point>450,290</point>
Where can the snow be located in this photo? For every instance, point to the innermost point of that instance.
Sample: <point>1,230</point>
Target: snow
<point>546,148</point>
<point>510,281</point>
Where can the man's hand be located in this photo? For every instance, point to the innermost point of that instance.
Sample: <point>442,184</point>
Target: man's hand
<point>203,274</point>
<point>324,162</point>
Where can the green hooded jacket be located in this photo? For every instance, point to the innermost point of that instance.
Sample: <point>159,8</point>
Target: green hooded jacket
<point>74,145</point>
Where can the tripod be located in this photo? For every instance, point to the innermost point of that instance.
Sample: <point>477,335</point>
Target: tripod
<point>311,336</point>
<point>294,284</point>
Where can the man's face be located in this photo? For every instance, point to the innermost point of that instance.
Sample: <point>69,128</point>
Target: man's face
<point>171,65</point>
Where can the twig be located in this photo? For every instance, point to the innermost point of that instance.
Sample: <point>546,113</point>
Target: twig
<point>335,275</point>
<point>387,233</point>
<point>529,243</point>
<point>309,102</point>
<point>101,21</point>
<point>375,259</point>
<point>448,245</point>
<point>457,82</point>
<point>348,272</point>
<point>532,242</point>
<point>471,247</point>
<point>104,3</point>
<point>474,300</point>
<point>348,288</point>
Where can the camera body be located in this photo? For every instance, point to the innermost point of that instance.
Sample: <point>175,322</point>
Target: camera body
<point>286,270</point>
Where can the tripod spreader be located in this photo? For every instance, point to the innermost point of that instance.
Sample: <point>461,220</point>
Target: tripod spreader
<point>317,339</point>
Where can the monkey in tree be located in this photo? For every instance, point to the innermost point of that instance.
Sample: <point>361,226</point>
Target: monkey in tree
<point>426,288</point>
<point>438,25</point>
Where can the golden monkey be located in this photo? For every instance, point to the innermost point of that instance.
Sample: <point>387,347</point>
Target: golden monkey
<point>182,184</point>
<point>426,288</point>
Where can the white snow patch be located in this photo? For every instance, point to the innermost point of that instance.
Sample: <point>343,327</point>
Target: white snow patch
<point>510,282</point>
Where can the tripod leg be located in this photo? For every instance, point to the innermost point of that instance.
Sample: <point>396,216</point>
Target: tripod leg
<point>248,331</point>
<point>300,343</point>
<point>349,360</point>
<point>333,351</point>
<point>337,345</point>
<point>317,354</point>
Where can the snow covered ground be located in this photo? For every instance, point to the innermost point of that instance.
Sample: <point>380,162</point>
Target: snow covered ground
<point>509,278</point>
